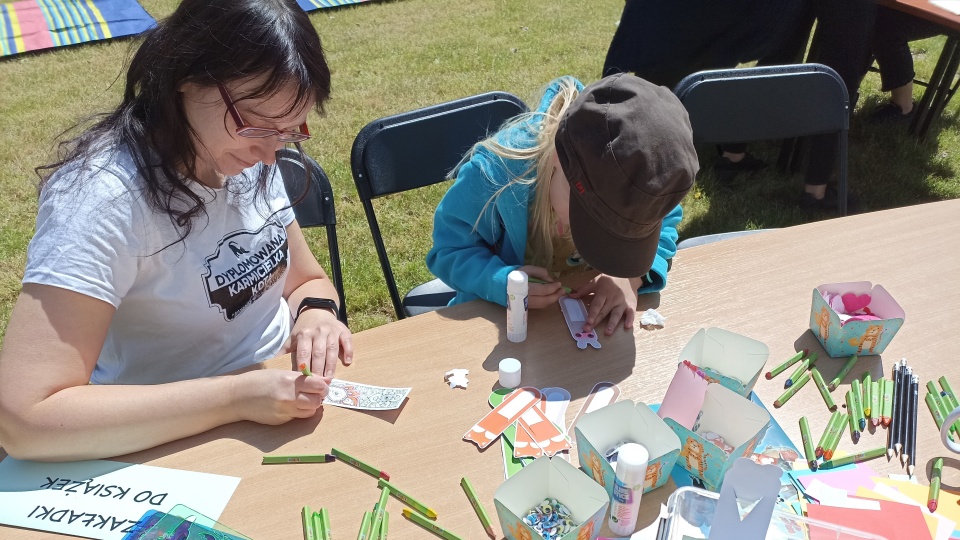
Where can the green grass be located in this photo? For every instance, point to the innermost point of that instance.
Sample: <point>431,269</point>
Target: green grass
<point>392,56</point>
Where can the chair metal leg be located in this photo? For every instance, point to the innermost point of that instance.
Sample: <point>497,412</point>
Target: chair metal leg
<point>935,95</point>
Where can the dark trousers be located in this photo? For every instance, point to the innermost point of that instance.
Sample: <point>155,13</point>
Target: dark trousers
<point>891,44</point>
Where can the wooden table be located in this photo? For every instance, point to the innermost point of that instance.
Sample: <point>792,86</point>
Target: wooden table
<point>759,286</point>
<point>939,89</point>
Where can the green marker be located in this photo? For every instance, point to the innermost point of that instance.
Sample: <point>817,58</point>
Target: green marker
<point>566,289</point>
<point>309,533</point>
<point>808,451</point>
<point>818,451</point>
<point>875,403</point>
<point>364,533</point>
<point>858,404</point>
<point>782,367</point>
<point>887,404</point>
<point>408,500</point>
<point>797,373</point>
<point>854,458</point>
<point>852,407</point>
<point>477,507</point>
<point>428,525</point>
<point>843,373</point>
<point>792,390</point>
<point>372,471</point>
<point>834,438</point>
<point>319,458</point>
<point>822,387</point>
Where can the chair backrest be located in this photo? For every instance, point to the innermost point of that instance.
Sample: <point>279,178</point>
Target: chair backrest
<point>761,103</point>
<point>315,209</point>
<point>419,148</point>
<point>772,102</point>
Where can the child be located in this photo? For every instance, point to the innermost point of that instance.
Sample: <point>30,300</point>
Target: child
<point>592,178</point>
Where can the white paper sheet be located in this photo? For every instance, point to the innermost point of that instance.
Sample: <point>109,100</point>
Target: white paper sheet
<point>102,499</point>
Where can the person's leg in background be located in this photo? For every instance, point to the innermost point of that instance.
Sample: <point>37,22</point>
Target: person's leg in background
<point>844,33</point>
<point>894,30</point>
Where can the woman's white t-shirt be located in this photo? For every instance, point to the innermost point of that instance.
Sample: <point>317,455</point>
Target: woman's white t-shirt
<point>205,306</point>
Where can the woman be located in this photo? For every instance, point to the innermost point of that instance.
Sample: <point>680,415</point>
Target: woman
<point>166,262</point>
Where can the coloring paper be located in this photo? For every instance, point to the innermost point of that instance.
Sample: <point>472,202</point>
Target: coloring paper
<point>102,499</point>
<point>353,395</point>
<point>537,435</point>
<point>847,479</point>
<point>940,527</point>
<point>575,313</point>
<point>684,397</point>
<point>893,521</point>
<point>502,416</point>
<point>603,394</point>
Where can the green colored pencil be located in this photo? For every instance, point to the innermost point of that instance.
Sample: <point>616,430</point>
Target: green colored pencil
<point>327,532</point>
<point>843,373</point>
<point>790,361</point>
<point>566,289</point>
<point>422,521</point>
<point>792,390</point>
<point>369,469</point>
<point>306,515</point>
<point>277,460</point>
<point>364,533</point>
<point>408,500</point>
<point>384,525</point>
<point>933,495</point>
<point>887,404</point>
<point>857,391</point>
<point>852,417</point>
<point>824,437</point>
<point>477,507</point>
<point>834,438</point>
<point>378,511</point>
<point>822,387</point>
<point>866,385</point>
<point>808,451</point>
<point>875,403</point>
<point>797,373</point>
<point>854,458</point>
<point>935,410</point>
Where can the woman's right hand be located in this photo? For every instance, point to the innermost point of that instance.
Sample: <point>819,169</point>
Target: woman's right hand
<point>276,396</point>
<point>541,295</point>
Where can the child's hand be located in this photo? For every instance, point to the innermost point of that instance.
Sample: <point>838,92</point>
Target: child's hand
<point>541,295</point>
<point>613,297</point>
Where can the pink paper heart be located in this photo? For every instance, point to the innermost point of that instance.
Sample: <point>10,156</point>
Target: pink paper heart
<point>855,302</point>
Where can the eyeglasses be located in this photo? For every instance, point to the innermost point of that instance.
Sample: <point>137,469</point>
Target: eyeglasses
<point>251,132</point>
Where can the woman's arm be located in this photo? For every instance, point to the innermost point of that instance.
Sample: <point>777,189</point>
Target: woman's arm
<point>318,337</point>
<point>48,411</point>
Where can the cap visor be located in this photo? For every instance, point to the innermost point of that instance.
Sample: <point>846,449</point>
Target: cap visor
<point>610,254</point>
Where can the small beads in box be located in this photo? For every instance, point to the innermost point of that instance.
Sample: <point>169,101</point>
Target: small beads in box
<point>551,519</point>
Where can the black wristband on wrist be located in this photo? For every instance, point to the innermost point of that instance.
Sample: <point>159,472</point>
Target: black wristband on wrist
<point>317,303</point>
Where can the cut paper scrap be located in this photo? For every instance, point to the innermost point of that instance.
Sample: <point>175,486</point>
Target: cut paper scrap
<point>496,421</point>
<point>940,527</point>
<point>847,479</point>
<point>893,521</point>
<point>948,507</point>
<point>537,436</point>
<point>575,313</point>
<point>554,403</point>
<point>832,496</point>
<point>457,377</point>
<point>73,498</point>
<point>511,465</point>
<point>684,397</point>
<point>603,394</point>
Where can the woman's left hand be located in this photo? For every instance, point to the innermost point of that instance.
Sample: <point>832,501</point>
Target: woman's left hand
<point>613,298</point>
<point>318,338</point>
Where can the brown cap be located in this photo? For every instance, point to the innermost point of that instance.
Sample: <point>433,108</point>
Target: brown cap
<point>626,147</point>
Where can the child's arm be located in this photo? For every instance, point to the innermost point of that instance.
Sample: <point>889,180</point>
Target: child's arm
<point>656,279</point>
<point>465,257</point>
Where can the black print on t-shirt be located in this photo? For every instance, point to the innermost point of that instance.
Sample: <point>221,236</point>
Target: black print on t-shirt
<point>244,265</point>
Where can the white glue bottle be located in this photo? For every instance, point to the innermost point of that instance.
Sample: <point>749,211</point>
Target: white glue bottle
<point>517,306</point>
<point>628,488</point>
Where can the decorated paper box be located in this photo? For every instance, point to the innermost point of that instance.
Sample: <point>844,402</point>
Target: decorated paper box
<point>728,427</point>
<point>730,359</point>
<point>603,431</point>
<point>548,478</point>
<point>869,333</point>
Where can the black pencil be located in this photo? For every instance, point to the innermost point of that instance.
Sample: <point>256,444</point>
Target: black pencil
<point>906,375</point>
<point>892,433</point>
<point>912,423</point>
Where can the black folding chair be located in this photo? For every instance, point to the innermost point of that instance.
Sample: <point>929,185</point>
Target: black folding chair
<point>772,102</point>
<point>417,149</point>
<point>316,209</point>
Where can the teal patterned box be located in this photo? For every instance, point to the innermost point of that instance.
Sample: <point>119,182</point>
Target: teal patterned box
<point>740,422</point>
<point>606,429</point>
<point>860,337</point>
<point>727,358</point>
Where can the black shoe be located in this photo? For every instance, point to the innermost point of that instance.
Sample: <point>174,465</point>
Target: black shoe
<point>891,113</point>
<point>749,163</point>
<point>830,201</point>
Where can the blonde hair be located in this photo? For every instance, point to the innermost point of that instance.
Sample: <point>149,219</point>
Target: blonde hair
<point>540,156</point>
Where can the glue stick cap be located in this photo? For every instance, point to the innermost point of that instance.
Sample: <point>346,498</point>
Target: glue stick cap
<point>517,282</point>
<point>632,461</point>
<point>509,373</point>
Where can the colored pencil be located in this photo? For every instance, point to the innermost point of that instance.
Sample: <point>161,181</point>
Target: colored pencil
<point>818,451</point>
<point>378,510</point>
<point>792,390</point>
<point>324,518</point>
<point>566,289</point>
<point>851,409</point>
<point>822,387</point>
<point>477,507</point>
<point>905,375</point>
<point>808,451</point>
<point>887,405</point>
<point>911,437</point>
<point>894,411</point>
<point>866,386</point>
<point>408,500</point>
<point>933,495</point>
<point>854,458</point>
<point>428,525</point>
<point>277,460</point>
<point>875,403</point>
<point>305,369</point>
<point>857,404</point>
<point>843,373</point>
<point>790,361</point>
<point>364,533</point>
<point>369,469</point>
<point>950,400</point>
<point>384,525</point>
<point>834,440</point>
<point>942,408</point>
<point>309,533</point>
<point>797,373</point>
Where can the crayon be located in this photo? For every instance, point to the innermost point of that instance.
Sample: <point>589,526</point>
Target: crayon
<point>843,373</point>
<point>477,507</point>
<point>364,533</point>
<point>309,533</point>
<point>942,407</point>
<point>866,385</point>
<point>383,526</point>
<point>852,408</point>
<point>324,517</point>
<point>408,500</point>
<point>950,400</point>
<point>797,373</point>
<point>277,460</point>
<point>887,404</point>
<point>566,289</point>
<point>808,451</point>
<point>875,403</point>
<point>305,369</point>
<point>428,525</point>
<point>378,512</point>
<point>854,458</point>
<point>822,387</point>
<point>818,451</point>
<point>372,471</point>
<point>933,495</point>
<point>834,440</point>
<point>935,410</point>
<point>790,361</point>
<point>792,390</point>
<point>857,404</point>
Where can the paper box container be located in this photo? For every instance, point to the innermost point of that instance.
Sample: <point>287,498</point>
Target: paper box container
<point>622,422</point>
<point>741,423</point>
<point>554,479</point>
<point>730,359</point>
<point>855,337</point>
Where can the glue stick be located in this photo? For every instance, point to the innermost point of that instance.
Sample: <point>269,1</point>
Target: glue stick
<point>628,488</point>
<point>517,306</point>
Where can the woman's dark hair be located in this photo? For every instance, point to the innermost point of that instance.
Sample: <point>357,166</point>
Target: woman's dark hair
<point>203,42</point>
